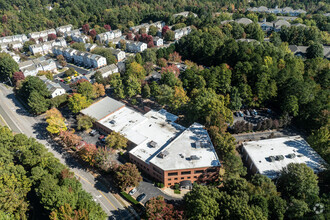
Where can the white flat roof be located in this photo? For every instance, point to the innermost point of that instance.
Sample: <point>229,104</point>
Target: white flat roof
<point>260,151</point>
<point>142,129</point>
<point>195,142</point>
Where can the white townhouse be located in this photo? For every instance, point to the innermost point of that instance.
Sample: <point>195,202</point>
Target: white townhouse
<point>135,46</point>
<point>185,14</point>
<point>119,54</point>
<point>72,33</point>
<point>80,38</point>
<point>178,33</point>
<point>64,29</point>
<point>42,34</point>
<point>266,26</point>
<point>55,89</point>
<point>107,70</point>
<point>279,24</point>
<point>46,47</point>
<point>157,24</point>
<point>86,59</point>
<point>8,39</point>
<point>158,41</point>
<point>32,67</point>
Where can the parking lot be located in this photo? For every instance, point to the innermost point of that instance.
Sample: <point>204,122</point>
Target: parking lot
<point>250,117</point>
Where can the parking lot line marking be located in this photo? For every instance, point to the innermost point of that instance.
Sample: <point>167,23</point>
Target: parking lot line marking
<point>97,190</point>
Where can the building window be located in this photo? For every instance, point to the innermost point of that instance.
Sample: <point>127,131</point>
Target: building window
<point>170,184</point>
<point>195,177</point>
<point>175,178</point>
<point>169,179</point>
<point>185,172</point>
<point>172,174</point>
<point>188,177</point>
<point>199,171</point>
<point>182,178</point>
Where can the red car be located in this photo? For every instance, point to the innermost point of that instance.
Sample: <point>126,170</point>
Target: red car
<point>101,137</point>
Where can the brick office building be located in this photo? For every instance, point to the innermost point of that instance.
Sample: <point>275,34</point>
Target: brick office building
<point>165,150</point>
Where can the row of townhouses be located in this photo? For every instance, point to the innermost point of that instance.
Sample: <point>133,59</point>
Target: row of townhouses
<point>64,29</point>
<point>42,34</point>
<point>185,14</point>
<point>108,36</point>
<point>86,59</point>
<point>107,70</point>
<point>178,33</point>
<point>14,45</point>
<point>277,25</point>
<point>32,67</point>
<point>135,46</point>
<point>159,25</point>
<point>15,56</point>
<point>46,47</point>
<point>276,10</point>
<point>19,38</point>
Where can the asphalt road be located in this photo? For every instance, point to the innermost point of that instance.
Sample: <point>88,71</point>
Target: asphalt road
<point>20,121</point>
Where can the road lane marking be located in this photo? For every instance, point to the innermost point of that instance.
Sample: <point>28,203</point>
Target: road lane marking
<point>97,190</point>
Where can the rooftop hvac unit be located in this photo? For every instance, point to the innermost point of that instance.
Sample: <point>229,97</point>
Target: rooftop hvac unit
<point>153,144</point>
<point>279,157</point>
<point>271,159</point>
<point>198,144</point>
<point>163,154</point>
<point>113,122</point>
<point>194,157</point>
<point>291,156</point>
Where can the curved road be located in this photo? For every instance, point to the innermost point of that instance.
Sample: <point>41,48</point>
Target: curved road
<point>20,121</point>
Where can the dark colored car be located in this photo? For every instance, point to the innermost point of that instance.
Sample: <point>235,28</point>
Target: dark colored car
<point>140,197</point>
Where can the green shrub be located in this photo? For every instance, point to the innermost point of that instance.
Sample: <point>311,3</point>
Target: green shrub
<point>177,191</point>
<point>129,198</point>
<point>176,186</point>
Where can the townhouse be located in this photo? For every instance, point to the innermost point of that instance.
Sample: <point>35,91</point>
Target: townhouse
<point>178,33</point>
<point>276,10</point>
<point>158,24</point>
<point>135,46</point>
<point>184,14</point>
<point>32,67</point>
<point>42,34</point>
<point>64,29</point>
<point>119,54</point>
<point>86,59</point>
<point>158,41</point>
<point>46,47</point>
<point>107,70</point>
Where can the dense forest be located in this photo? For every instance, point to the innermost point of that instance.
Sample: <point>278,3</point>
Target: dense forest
<point>35,185</point>
<point>24,16</point>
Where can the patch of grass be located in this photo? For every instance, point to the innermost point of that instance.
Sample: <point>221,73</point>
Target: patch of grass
<point>129,198</point>
<point>177,191</point>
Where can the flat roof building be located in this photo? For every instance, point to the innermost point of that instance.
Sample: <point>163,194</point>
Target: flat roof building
<point>268,157</point>
<point>167,151</point>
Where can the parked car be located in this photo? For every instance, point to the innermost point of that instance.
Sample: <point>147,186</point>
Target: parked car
<point>101,137</point>
<point>247,112</point>
<point>236,114</point>
<point>103,140</point>
<point>140,197</point>
<point>93,132</point>
<point>241,113</point>
<point>132,191</point>
<point>254,112</point>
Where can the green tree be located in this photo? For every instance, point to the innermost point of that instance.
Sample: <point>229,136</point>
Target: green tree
<point>77,102</point>
<point>84,122</point>
<point>298,181</point>
<point>146,92</point>
<point>116,141</point>
<point>78,46</point>
<point>233,166</point>
<point>138,58</point>
<point>14,187</point>
<point>153,30</point>
<point>37,103</point>
<point>314,51</point>
<point>291,105</point>
<point>149,55</point>
<point>169,35</point>
<point>320,141</point>
<point>86,89</point>
<point>236,100</point>
<point>201,202</point>
<point>297,209</point>
<point>27,44</point>
<point>8,66</point>
<point>31,84</point>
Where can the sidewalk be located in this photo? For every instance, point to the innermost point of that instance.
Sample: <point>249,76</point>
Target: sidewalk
<point>170,192</point>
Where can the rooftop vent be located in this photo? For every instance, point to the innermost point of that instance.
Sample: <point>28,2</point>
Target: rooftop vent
<point>153,144</point>
<point>112,122</point>
<point>271,158</point>
<point>194,157</point>
<point>198,144</point>
<point>163,154</point>
<point>279,157</point>
<point>291,156</point>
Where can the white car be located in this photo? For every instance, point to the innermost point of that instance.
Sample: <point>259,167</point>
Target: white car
<point>132,191</point>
